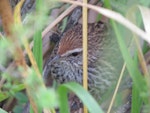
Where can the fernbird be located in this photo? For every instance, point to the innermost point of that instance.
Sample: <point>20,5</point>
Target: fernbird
<point>104,59</point>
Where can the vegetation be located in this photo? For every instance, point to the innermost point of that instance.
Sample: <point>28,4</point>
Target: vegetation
<point>128,19</point>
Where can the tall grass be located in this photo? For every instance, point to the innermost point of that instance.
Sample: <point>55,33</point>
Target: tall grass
<point>30,79</point>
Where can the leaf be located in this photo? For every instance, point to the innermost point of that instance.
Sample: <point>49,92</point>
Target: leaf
<point>19,87</point>
<point>136,101</point>
<point>3,111</point>
<point>21,97</point>
<point>37,49</point>
<point>15,89</point>
<point>3,96</point>
<point>47,98</point>
<point>146,17</point>
<point>85,97</point>
<point>62,91</point>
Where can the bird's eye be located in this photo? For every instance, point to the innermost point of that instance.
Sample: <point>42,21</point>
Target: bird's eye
<point>75,54</point>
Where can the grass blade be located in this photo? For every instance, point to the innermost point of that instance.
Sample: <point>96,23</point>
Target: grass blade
<point>64,108</point>
<point>136,101</point>
<point>84,96</point>
<point>37,49</point>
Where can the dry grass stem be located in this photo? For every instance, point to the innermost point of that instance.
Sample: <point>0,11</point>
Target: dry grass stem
<point>8,21</point>
<point>31,57</point>
<point>58,19</point>
<point>6,17</point>
<point>1,36</point>
<point>115,16</point>
<point>55,22</point>
<point>46,111</point>
<point>116,89</point>
<point>84,34</point>
<point>137,41</point>
<point>145,17</point>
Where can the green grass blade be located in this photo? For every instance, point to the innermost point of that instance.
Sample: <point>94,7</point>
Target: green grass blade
<point>136,101</point>
<point>37,49</point>
<point>83,95</point>
<point>62,91</point>
<point>17,88</point>
<point>132,66</point>
<point>139,84</point>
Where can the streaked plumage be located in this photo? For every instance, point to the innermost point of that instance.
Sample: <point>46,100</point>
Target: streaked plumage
<point>104,59</point>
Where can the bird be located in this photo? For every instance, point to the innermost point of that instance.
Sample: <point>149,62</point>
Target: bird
<point>104,59</point>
